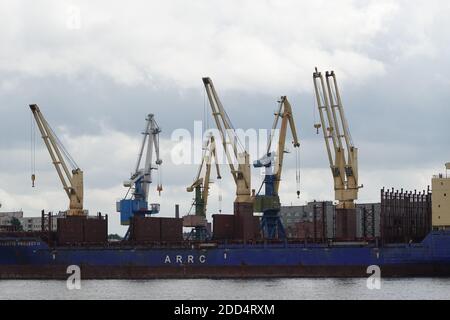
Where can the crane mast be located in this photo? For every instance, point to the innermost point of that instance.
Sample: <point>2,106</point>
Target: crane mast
<point>201,188</point>
<point>342,154</point>
<point>72,180</point>
<point>141,178</point>
<point>240,172</point>
<point>269,203</point>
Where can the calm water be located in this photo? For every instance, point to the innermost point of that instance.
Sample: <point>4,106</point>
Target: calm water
<point>229,289</point>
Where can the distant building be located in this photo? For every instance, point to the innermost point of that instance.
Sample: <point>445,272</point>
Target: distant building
<point>6,219</point>
<point>293,217</point>
<point>28,223</point>
<point>35,223</point>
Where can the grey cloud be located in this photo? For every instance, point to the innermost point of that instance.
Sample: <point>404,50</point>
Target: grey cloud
<point>391,60</point>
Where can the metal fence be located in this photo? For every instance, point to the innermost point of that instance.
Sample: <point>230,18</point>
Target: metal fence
<point>405,215</point>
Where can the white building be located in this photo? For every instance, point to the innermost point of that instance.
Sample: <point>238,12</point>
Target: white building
<point>35,223</point>
<point>28,223</point>
<point>6,217</point>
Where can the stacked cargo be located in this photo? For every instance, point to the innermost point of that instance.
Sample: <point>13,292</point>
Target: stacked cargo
<point>145,229</point>
<point>241,226</point>
<point>150,229</point>
<point>223,226</point>
<point>95,230</point>
<point>82,229</point>
<point>171,229</point>
<point>70,230</point>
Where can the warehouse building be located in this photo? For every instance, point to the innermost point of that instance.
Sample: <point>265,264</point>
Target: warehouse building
<point>308,221</point>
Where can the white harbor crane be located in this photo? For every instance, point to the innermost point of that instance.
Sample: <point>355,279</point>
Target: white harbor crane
<point>72,180</point>
<point>141,178</point>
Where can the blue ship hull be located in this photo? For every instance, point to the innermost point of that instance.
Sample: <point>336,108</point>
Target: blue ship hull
<point>32,258</point>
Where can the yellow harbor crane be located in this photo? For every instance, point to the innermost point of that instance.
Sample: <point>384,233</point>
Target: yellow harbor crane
<point>342,154</point>
<point>72,180</point>
<point>201,188</point>
<point>240,172</point>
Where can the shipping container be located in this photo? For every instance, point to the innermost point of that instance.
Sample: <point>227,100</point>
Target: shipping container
<point>70,230</point>
<point>223,226</point>
<point>95,230</point>
<point>171,229</point>
<point>145,229</point>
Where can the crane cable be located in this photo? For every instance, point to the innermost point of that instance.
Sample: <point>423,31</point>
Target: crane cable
<point>219,185</point>
<point>159,186</point>
<point>33,150</point>
<point>297,171</point>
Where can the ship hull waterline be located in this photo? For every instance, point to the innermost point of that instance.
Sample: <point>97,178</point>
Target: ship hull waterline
<point>34,259</point>
<point>242,272</point>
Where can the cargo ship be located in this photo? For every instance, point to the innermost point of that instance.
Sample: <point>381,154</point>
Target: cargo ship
<point>414,241</point>
<point>33,258</point>
<point>413,238</point>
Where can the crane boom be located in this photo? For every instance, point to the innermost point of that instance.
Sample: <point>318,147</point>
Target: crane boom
<point>72,180</point>
<point>241,173</point>
<point>342,154</point>
<point>201,184</point>
<point>285,113</point>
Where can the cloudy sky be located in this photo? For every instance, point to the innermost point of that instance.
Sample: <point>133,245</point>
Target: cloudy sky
<point>96,70</point>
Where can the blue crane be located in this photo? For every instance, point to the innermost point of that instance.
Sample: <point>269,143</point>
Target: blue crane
<point>141,179</point>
